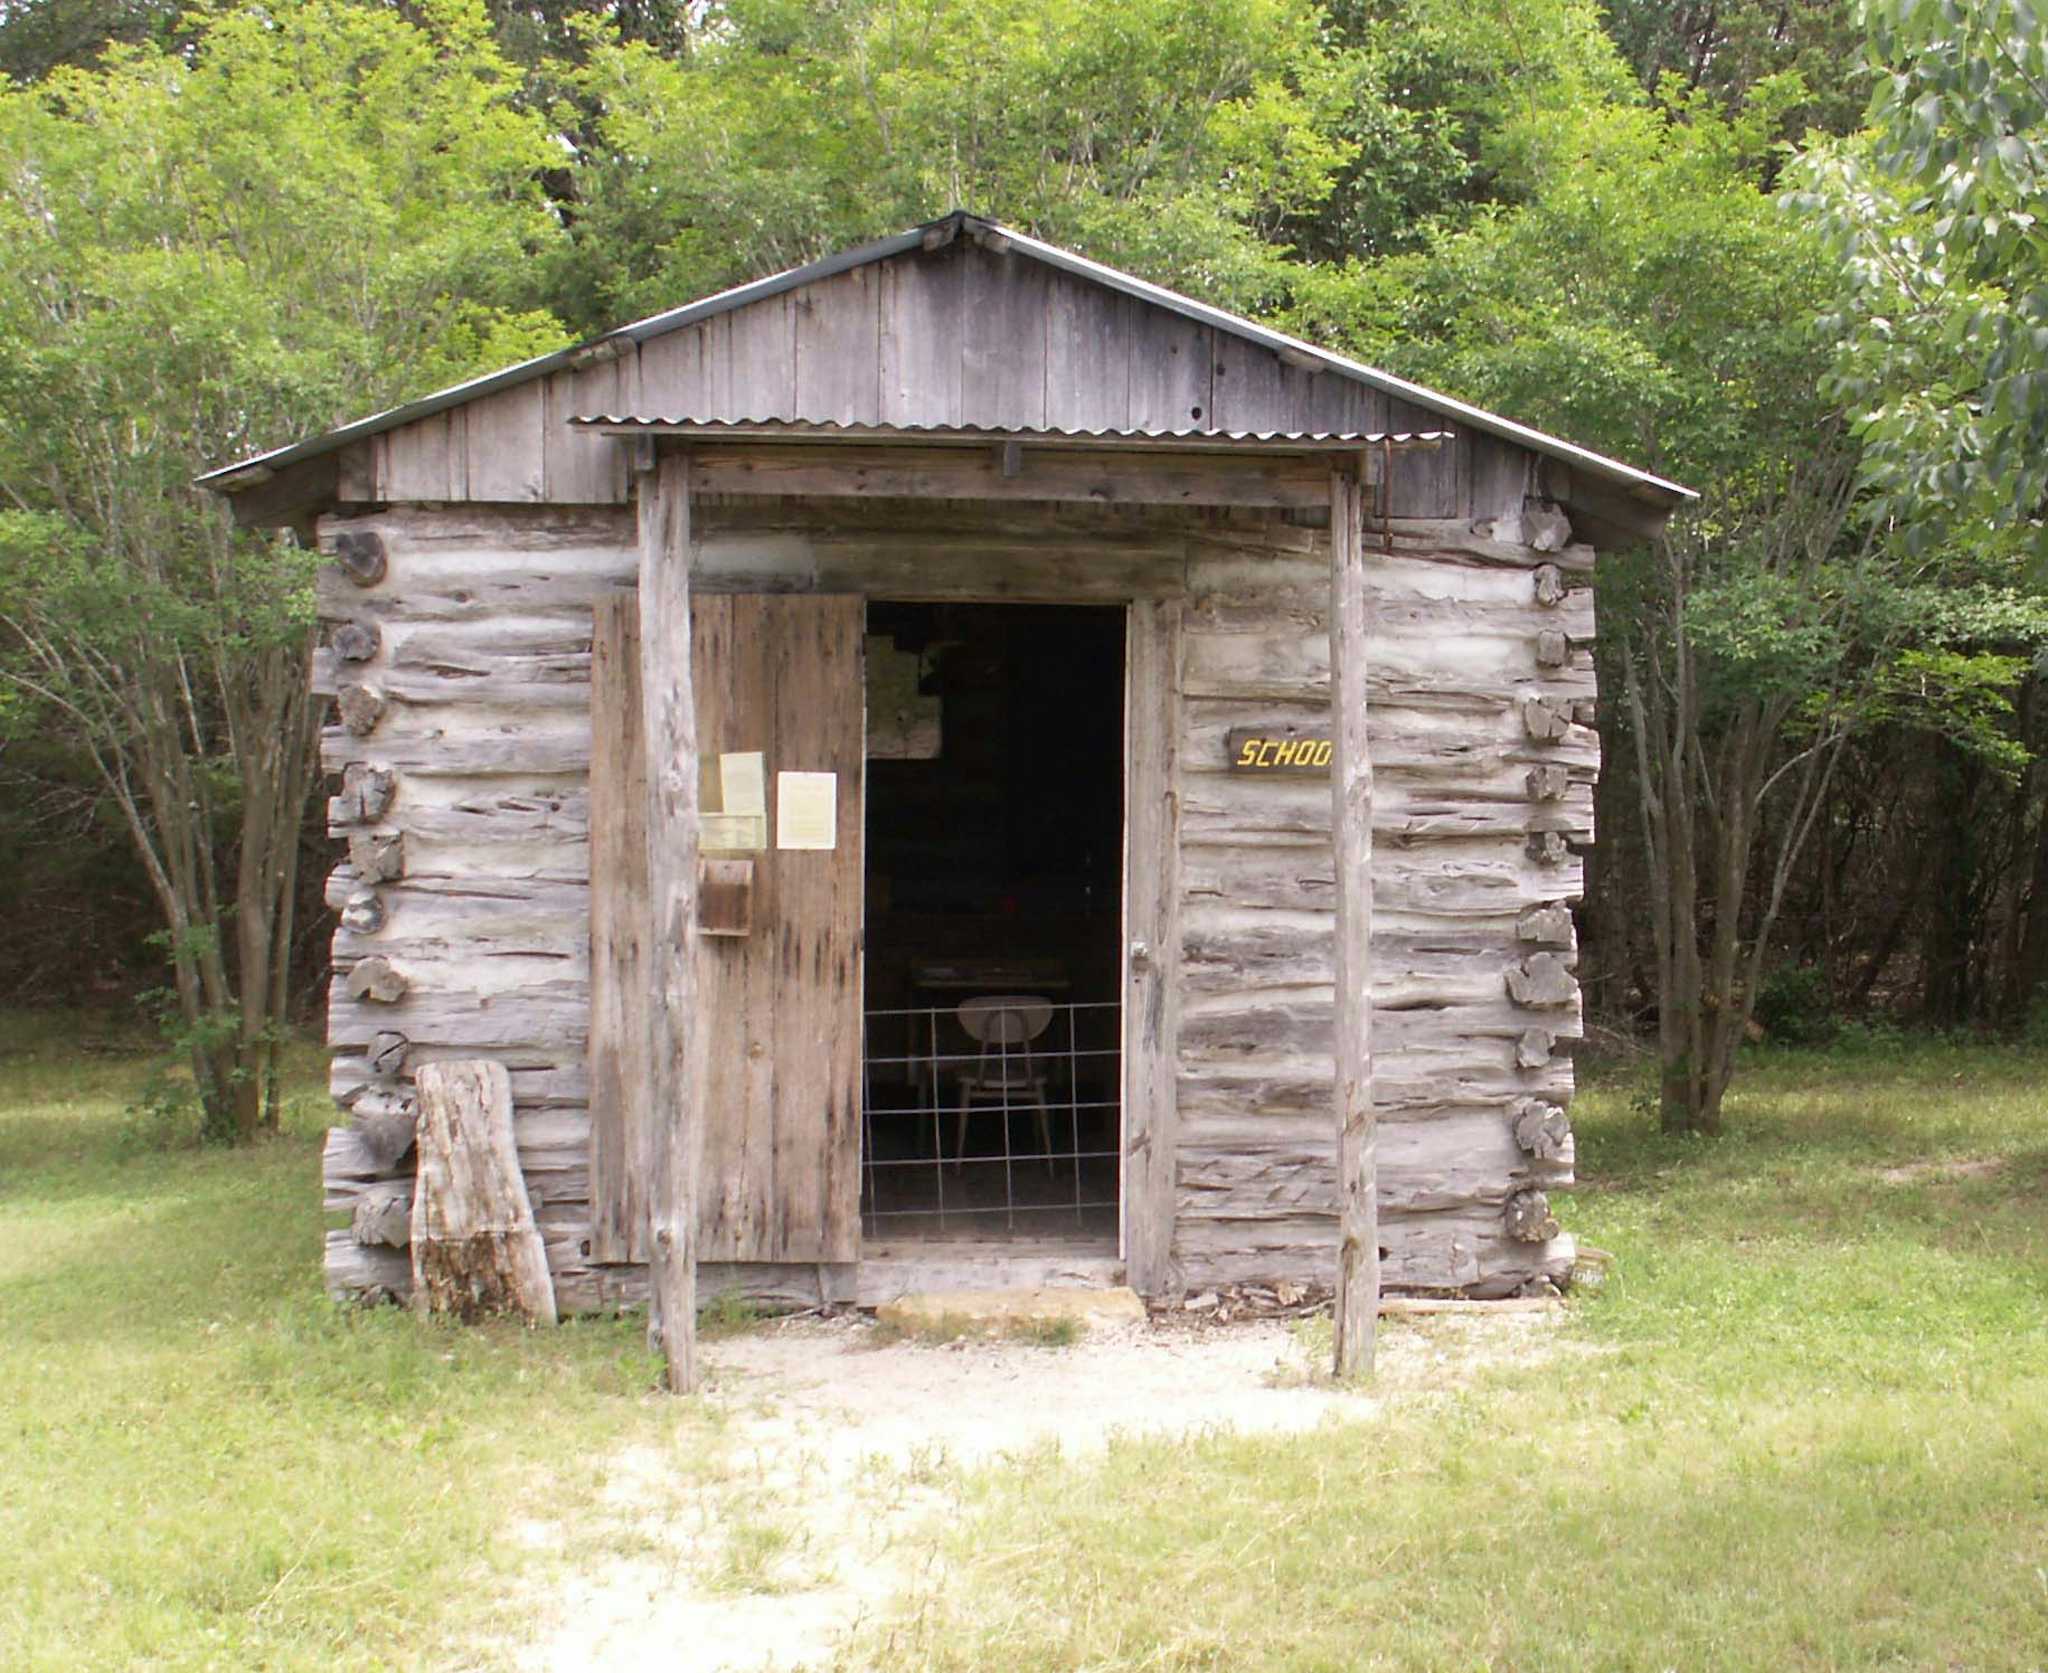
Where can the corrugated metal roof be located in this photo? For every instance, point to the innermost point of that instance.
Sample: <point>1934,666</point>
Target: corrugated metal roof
<point>1642,483</point>
<point>803,429</point>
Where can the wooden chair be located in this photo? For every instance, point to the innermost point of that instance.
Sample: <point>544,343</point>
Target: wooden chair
<point>1006,1072</point>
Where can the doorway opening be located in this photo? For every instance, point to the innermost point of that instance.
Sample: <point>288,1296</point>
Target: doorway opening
<point>993,1068</point>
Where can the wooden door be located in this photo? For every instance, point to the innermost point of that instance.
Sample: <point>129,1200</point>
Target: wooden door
<point>782,674</point>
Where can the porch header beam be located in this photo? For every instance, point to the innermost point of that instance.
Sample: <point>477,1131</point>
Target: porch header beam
<point>979,473</point>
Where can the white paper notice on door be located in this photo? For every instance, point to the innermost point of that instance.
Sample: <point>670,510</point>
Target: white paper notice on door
<point>744,783</point>
<point>806,810</point>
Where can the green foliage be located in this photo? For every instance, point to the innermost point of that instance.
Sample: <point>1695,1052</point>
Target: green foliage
<point>1943,323</point>
<point>1793,1006</point>
<point>1166,138</point>
<point>36,36</point>
<point>295,212</point>
<point>1725,48</point>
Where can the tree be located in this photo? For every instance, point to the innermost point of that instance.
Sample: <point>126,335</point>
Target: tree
<point>317,208</point>
<point>1724,48</point>
<point>38,35</point>
<point>1168,139</point>
<point>1943,326</point>
<point>1650,298</point>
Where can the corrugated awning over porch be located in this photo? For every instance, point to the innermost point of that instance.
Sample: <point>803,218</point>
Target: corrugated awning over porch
<point>1179,441</point>
<point>1289,470</point>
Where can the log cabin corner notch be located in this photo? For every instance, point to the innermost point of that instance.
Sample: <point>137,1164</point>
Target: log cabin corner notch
<point>982,553</point>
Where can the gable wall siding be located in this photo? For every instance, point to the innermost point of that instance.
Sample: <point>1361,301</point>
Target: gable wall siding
<point>959,336</point>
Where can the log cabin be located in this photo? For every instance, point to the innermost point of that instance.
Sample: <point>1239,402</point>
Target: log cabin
<point>1010,758</point>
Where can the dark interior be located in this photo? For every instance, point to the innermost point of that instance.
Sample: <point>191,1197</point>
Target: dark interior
<point>994,870</point>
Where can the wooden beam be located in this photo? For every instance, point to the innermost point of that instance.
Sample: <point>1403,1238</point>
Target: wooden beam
<point>1358,1250</point>
<point>955,473</point>
<point>1152,978</point>
<point>676,1064</point>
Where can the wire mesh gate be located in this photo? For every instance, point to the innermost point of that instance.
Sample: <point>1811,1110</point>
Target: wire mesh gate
<point>987,1136</point>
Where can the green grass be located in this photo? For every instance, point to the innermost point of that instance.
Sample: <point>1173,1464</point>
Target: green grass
<point>203,1462</point>
<point>1804,1424</point>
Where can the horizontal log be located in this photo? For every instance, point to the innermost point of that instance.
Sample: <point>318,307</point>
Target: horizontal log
<point>1466,675</point>
<point>1287,1165</point>
<point>1242,1098</point>
<point>1225,807</point>
<point>466,741</point>
<point>1469,541</point>
<point>1436,750</point>
<point>542,1078</point>
<point>383,1214</point>
<point>369,1273</point>
<point>1230,951</point>
<point>1406,597</point>
<point>1451,1251</point>
<point>1482,879</point>
<point>1287,1024</point>
<point>548,1017</point>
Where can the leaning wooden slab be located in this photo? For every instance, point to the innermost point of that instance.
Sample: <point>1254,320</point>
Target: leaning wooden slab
<point>475,1247</point>
<point>996,1311</point>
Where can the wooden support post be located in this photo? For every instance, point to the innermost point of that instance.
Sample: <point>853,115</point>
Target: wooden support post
<point>669,713</point>
<point>1358,1248</point>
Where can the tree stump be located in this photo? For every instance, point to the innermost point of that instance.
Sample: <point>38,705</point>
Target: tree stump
<point>475,1247</point>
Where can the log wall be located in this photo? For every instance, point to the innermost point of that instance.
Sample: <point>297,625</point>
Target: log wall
<point>462,663</point>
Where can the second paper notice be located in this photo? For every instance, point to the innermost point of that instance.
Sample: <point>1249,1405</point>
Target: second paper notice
<point>806,810</point>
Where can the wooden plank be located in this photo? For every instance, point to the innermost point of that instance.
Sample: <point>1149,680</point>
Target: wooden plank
<point>1002,381</point>
<point>621,1030</point>
<point>763,358</point>
<point>1339,405</point>
<point>475,1247</point>
<point>502,443</point>
<point>580,467</point>
<point>1087,355</point>
<point>838,348</point>
<point>1358,1260</point>
<point>820,727</point>
<point>733,675</point>
<point>1250,389</point>
<point>686,373</point>
<point>921,337</point>
<point>1171,361</point>
<point>1425,481</point>
<point>1152,979</point>
<point>421,461</point>
<point>675,1038</point>
<point>782,675</point>
<point>1103,478</point>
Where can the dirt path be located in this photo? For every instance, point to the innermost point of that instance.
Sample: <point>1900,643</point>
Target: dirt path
<point>844,1455</point>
